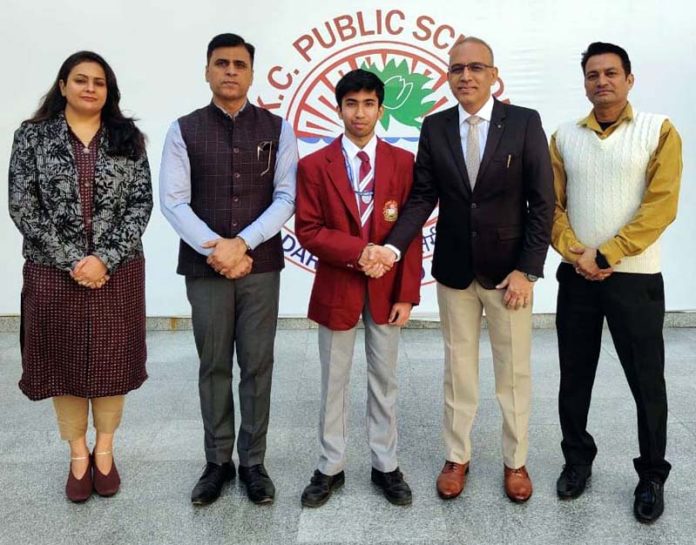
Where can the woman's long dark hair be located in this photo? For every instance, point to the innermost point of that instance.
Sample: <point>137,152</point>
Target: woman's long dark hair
<point>125,139</point>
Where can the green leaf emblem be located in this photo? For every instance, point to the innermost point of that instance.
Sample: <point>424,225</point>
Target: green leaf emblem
<point>404,94</point>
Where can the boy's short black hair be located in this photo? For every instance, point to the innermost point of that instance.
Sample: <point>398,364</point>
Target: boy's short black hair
<point>359,80</point>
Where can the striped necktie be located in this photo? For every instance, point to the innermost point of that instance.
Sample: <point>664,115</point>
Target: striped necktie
<point>366,184</point>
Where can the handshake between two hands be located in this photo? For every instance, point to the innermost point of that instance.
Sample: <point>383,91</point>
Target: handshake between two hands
<point>375,261</point>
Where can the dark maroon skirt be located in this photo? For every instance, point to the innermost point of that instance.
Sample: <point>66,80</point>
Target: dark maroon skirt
<point>82,342</point>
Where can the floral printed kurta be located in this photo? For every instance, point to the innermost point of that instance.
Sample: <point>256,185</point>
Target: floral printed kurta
<point>71,202</point>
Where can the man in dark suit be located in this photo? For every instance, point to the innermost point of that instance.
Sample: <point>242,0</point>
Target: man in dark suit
<point>488,165</point>
<point>349,196</point>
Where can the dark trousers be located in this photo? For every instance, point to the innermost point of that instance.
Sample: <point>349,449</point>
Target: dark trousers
<point>634,307</point>
<point>227,314</point>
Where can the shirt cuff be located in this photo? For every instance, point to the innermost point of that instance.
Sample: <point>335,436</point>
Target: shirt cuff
<point>395,250</point>
<point>252,237</point>
<point>611,252</point>
<point>248,247</point>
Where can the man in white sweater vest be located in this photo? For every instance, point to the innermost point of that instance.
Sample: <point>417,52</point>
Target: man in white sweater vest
<point>616,179</point>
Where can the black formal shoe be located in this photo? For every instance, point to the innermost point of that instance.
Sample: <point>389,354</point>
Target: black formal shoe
<point>320,487</point>
<point>209,486</point>
<point>260,488</point>
<point>395,488</point>
<point>571,483</point>
<point>650,502</point>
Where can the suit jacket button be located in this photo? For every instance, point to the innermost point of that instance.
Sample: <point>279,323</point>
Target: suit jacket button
<point>474,205</point>
<point>474,234</point>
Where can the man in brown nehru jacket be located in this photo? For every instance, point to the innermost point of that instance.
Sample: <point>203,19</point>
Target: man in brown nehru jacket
<point>227,186</point>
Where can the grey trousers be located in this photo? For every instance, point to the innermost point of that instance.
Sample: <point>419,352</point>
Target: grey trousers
<point>336,355</point>
<point>227,314</point>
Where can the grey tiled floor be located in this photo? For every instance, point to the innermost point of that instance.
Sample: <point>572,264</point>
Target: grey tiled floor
<point>159,454</point>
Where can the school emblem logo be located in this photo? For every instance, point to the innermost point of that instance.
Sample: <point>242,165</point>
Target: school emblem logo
<point>408,55</point>
<point>391,211</point>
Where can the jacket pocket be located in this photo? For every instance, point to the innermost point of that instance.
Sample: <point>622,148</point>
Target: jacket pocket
<point>509,233</point>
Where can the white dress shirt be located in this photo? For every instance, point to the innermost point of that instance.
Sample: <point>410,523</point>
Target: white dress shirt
<point>351,151</point>
<point>485,114</point>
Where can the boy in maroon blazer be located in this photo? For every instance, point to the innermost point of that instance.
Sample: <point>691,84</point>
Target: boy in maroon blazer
<point>349,196</point>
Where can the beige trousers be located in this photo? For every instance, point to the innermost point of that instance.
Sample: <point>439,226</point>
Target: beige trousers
<point>72,414</point>
<point>510,333</point>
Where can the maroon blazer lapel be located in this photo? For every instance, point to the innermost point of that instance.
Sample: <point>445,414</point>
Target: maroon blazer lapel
<point>336,170</point>
<point>384,173</point>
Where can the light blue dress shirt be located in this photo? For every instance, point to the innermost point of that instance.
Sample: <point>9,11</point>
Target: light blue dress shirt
<point>175,193</point>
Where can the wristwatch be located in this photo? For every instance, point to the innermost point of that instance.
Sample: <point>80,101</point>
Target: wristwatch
<point>601,260</point>
<point>245,243</point>
<point>531,277</point>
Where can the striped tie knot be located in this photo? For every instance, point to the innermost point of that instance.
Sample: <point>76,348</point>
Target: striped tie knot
<point>365,189</point>
<point>364,165</point>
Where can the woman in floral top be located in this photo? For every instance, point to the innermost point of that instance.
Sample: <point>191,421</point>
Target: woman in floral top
<point>80,194</point>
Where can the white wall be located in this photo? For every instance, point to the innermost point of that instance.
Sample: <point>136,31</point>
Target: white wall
<point>157,50</point>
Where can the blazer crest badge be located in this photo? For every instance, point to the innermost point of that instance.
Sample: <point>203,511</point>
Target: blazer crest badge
<point>391,211</point>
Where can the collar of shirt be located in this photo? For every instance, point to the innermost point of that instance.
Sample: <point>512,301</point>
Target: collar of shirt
<point>227,114</point>
<point>591,122</point>
<point>485,114</point>
<point>351,151</point>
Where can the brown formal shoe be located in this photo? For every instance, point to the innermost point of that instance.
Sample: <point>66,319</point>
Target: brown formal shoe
<point>518,485</point>
<point>79,490</point>
<point>106,485</point>
<point>452,479</point>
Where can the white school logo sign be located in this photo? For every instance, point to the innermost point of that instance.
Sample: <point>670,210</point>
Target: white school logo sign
<point>410,57</point>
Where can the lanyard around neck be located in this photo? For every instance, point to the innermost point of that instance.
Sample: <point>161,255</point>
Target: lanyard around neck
<point>365,196</point>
